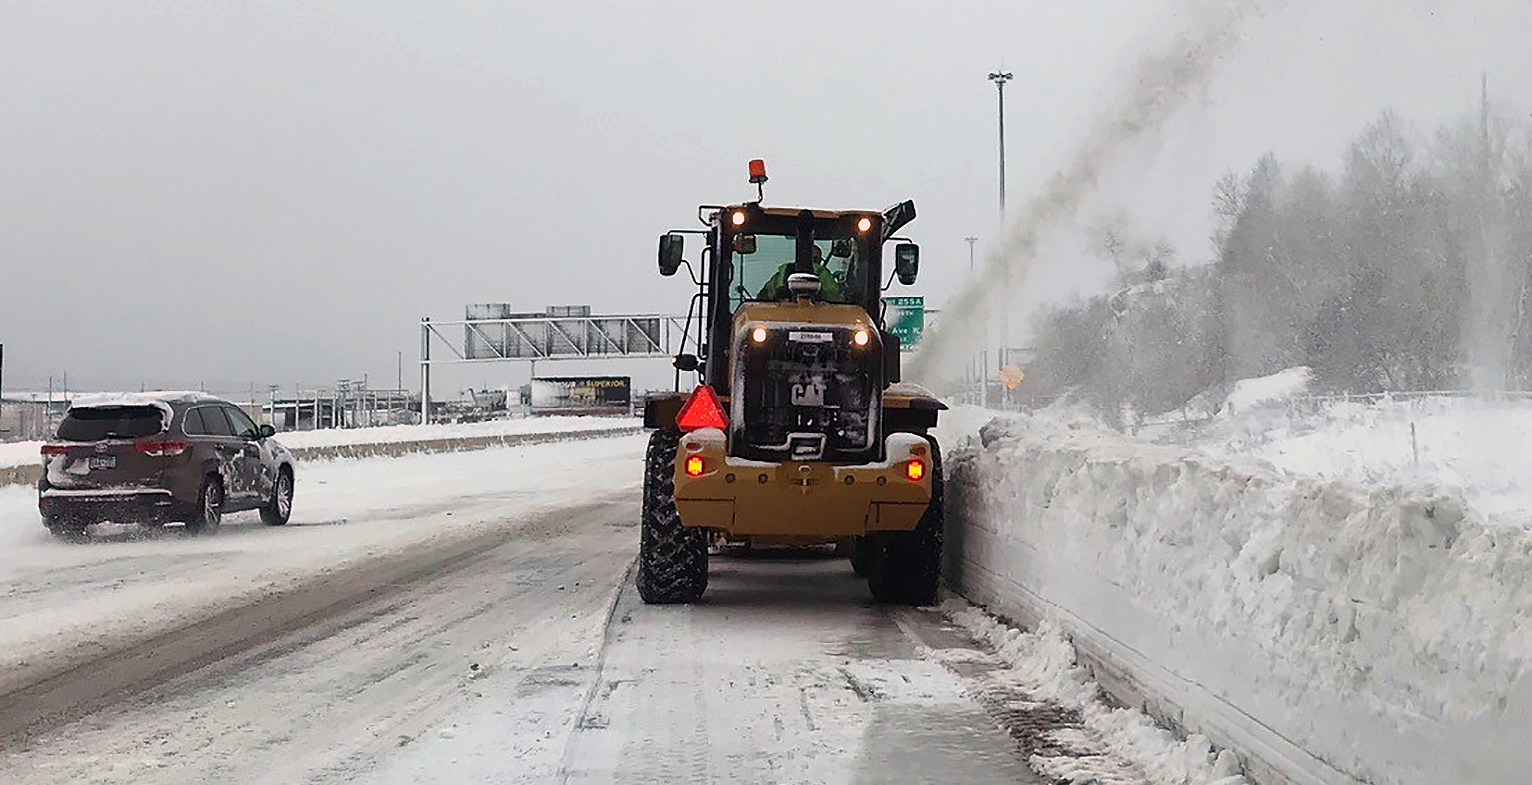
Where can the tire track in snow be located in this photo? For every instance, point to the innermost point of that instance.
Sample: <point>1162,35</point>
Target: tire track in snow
<point>37,701</point>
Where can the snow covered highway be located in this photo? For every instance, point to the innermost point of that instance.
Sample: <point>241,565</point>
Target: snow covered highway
<point>462,617</point>
<point>471,617</point>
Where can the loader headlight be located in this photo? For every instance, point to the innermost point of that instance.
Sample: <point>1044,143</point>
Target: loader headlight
<point>861,338</point>
<point>758,335</point>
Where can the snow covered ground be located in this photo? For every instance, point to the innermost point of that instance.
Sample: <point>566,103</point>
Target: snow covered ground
<point>1339,617</point>
<point>58,598</point>
<point>1106,742</point>
<point>512,667</point>
<point>20,453</point>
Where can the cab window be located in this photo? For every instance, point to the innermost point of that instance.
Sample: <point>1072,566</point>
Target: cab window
<point>762,275</point>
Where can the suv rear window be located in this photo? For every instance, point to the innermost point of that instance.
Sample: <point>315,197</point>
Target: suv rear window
<point>111,422</point>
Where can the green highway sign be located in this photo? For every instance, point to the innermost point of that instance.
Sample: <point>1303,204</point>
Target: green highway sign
<point>906,318</point>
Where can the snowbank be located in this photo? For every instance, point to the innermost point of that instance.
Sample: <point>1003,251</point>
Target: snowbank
<point>1281,386</point>
<point>1328,632</point>
<point>1043,664</point>
<point>1479,449</point>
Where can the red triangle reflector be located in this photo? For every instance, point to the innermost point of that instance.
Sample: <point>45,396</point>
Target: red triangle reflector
<point>702,410</point>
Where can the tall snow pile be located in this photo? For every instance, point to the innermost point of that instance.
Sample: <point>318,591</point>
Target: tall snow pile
<point>1481,450</point>
<point>1278,387</point>
<point>1327,630</point>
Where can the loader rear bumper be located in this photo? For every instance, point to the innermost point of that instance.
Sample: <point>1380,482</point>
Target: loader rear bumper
<point>811,499</point>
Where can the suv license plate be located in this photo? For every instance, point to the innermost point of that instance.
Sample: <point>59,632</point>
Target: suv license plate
<point>103,462</point>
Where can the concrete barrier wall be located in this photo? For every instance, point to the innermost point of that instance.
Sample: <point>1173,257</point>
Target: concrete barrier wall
<point>30,473</point>
<point>27,474</point>
<point>1325,632</point>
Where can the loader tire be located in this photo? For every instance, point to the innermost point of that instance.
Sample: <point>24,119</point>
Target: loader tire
<point>672,559</point>
<point>904,568</point>
<point>859,557</point>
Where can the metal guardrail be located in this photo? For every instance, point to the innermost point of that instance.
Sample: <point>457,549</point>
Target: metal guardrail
<point>1414,395</point>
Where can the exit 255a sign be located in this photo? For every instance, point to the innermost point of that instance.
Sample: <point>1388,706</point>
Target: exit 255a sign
<point>906,318</point>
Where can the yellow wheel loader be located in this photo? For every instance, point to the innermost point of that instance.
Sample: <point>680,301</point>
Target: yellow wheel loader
<point>798,429</point>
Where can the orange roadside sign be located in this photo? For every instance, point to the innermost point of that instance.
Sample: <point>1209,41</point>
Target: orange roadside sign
<point>1012,377</point>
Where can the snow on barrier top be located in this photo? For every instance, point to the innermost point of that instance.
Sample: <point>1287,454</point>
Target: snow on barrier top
<point>1326,631</point>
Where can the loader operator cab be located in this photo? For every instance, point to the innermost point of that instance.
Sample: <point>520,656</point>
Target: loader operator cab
<point>752,251</point>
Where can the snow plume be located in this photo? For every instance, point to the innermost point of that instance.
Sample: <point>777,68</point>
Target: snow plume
<point>1164,80</point>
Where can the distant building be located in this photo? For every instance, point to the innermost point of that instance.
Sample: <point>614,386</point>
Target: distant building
<point>26,417</point>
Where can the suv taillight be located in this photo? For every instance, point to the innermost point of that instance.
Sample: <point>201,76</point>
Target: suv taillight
<point>162,449</point>
<point>55,449</point>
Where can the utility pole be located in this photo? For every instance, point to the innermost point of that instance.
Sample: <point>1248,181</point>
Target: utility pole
<point>979,362</point>
<point>425,370</point>
<point>1484,125</point>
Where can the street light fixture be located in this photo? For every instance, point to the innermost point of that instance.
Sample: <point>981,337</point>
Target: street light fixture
<point>980,360</point>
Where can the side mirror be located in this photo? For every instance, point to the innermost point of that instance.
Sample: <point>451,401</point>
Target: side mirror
<point>744,244</point>
<point>907,262</point>
<point>266,431</point>
<point>686,362</point>
<point>671,247</point>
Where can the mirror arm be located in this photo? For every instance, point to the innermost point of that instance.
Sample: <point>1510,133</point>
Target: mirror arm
<point>890,283</point>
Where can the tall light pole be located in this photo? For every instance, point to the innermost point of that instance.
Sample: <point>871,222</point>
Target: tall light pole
<point>1000,78</point>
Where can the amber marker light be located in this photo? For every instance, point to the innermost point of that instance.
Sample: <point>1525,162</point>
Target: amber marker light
<point>864,225</point>
<point>694,466</point>
<point>915,470</point>
<point>738,218</point>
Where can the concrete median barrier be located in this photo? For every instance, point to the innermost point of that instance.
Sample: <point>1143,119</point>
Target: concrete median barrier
<point>1327,633</point>
<point>29,474</point>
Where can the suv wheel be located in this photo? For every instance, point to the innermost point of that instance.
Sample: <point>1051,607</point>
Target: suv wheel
<point>209,513</point>
<point>65,529</point>
<point>280,508</point>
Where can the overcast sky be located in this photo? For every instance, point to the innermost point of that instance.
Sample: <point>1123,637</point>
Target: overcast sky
<point>277,192</point>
